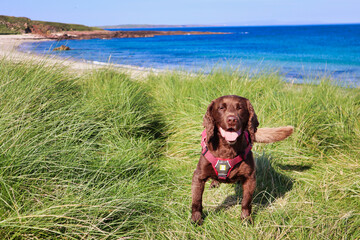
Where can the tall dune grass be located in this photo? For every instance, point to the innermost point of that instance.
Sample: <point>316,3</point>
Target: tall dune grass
<point>77,155</point>
<point>101,156</point>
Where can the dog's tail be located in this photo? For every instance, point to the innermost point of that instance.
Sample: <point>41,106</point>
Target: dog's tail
<point>269,135</point>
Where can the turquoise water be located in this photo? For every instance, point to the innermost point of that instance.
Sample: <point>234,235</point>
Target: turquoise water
<point>298,52</point>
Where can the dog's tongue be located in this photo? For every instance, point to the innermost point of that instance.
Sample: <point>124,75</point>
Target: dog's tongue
<point>229,136</point>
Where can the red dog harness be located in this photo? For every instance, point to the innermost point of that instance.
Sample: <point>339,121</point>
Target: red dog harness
<point>223,167</point>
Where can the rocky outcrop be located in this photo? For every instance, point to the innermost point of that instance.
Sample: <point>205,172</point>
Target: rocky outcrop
<point>62,48</point>
<point>19,26</point>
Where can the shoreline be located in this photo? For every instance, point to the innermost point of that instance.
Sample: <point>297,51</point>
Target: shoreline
<point>9,49</point>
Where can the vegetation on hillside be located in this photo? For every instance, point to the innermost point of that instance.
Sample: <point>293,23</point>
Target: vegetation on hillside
<point>17,25</point>
<point>101,156</point>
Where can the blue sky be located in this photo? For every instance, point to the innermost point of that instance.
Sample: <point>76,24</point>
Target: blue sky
<point>229,12</point>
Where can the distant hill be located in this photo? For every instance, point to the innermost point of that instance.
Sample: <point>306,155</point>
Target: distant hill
<point>153,26</point>
<point>18,25</point>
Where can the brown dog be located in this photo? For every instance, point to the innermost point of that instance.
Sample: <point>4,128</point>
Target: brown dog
<point>230,130</point>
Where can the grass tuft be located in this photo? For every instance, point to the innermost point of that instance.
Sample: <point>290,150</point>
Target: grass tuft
<point>101,156</point>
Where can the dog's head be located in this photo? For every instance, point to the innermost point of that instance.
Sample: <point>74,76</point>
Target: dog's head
<point>230,116</point>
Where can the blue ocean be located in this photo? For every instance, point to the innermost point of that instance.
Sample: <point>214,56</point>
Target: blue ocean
<point>299,53</point>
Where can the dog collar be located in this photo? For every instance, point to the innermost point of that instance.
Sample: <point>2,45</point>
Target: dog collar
<point>223,167</point>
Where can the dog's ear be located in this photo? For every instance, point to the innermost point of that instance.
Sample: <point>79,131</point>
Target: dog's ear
<point>253,122</point>
<point>209,122</point>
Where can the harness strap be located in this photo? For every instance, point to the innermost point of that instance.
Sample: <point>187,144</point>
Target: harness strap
<point>223,167</point>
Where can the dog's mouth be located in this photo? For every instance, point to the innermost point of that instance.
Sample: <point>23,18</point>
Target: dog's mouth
<point>230,134</point>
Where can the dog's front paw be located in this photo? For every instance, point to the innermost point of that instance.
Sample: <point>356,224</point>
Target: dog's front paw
<point>196,218</point>
<point>246,217</point>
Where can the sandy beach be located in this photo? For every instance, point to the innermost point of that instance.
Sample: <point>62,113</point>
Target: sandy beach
<point>9,49</point>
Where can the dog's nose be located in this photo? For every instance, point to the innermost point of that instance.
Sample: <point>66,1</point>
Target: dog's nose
<point>231,120</point>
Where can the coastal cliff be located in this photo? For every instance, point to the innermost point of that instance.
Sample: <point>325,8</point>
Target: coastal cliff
<point>21,25</point>
<point>60,31</point>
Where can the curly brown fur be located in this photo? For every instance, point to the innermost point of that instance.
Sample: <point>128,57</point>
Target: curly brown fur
<point>231,114</point>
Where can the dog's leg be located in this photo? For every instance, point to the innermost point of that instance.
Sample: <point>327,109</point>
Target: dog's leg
<point>197,189</point>
<point>248,185</point>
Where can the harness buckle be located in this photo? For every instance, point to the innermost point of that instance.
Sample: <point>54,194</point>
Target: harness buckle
<point>222,167</point>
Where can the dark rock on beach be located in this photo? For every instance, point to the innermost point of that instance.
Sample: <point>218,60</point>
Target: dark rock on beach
<point>62,48</point>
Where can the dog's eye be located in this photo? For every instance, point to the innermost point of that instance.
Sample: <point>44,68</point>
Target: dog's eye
<point>222,107</point>
<point>238,107</point>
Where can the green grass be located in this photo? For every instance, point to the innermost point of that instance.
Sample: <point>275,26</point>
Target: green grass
<point>78,155</point>
<point>307,185</point>
<point>65,26</point>
<point>6,31</point>
<point>102,156</point>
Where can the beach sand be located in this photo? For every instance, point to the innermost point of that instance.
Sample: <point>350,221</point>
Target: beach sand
<point>9,49</point>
